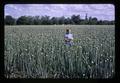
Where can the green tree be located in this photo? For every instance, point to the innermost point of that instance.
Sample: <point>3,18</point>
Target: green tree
<point>54,20</point>
<point>29,20</point>
<point>76,19</point>
<point>9,20</point>
<point>36,20</point>
<point>94,20</point>
<point>61,20</point>
<point>22,20</point>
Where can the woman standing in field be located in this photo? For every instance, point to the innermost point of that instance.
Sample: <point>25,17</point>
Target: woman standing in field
<point>68,37</point>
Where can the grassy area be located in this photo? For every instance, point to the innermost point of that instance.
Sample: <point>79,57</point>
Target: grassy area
<point>39,51</point>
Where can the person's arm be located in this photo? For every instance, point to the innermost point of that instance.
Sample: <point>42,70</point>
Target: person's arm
<point>66,39</point>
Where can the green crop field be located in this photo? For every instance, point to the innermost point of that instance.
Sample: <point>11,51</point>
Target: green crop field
<point>39,51</point>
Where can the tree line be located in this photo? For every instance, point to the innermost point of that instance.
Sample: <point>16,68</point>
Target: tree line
<point>46,20</point>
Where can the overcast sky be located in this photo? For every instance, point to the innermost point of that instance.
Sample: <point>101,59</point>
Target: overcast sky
<point>101,11</point>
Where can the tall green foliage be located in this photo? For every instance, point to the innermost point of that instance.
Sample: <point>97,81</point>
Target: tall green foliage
<point>40,52</point>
